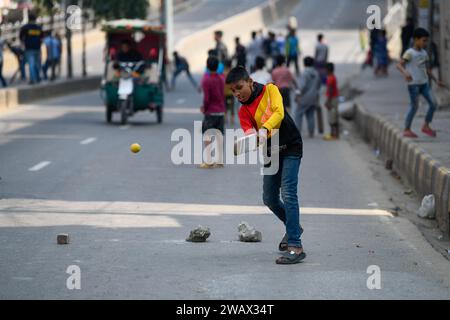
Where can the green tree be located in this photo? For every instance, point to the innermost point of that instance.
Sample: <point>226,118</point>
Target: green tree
<point>118,9</point>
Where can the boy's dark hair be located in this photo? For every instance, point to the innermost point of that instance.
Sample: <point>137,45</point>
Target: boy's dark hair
<point>308,61</point>
<point>280,60</point>
<point>175,53</point>
<point>218,33</point>
<point>260,63</point>
<point>237,74</point>
<point>237,39</point>
<point>253,34</point>
<point>32,17</point>
<point>421,33</point>
<point>320,37</point>
<point>330,67</point>
<point>212,64</point>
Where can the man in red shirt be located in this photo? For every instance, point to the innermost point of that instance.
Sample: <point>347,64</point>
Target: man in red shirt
<point>332,103</point>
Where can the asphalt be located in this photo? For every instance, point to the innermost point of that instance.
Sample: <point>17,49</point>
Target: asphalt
<point>128,214</point>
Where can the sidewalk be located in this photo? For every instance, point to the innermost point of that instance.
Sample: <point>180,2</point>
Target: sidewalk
<point>423,162</point>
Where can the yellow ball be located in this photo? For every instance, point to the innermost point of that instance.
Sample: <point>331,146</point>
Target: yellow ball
<point>135,148</point>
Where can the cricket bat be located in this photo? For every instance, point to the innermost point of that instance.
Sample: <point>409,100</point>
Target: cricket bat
<point>246,144</point>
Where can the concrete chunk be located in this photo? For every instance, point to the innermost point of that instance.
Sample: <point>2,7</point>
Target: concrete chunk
<point>248,233</point>
<point>199,234</point>
<point>62,238</point>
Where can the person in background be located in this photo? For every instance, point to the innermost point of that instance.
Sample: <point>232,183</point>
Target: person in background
<point>415,68</point>
<point>31,35</point>
<point>19,53</point>
<point>254,50</point>
<point>229,98</point>
<point>53,51</point>
<point>58,62</point>
<point>381,55</point>
<point>2,47</point>
<point>284,80</point>
<point>332,103</point>
<point>362,38</point>
<point>274,48</point>
<point>181,65</point>
<point>260,74</point>
<point>309,96</point>
<point>321,57</point>
<point>221,48</point>
<point>213,87</point>
<point>240,54</point>
<point>293,50</point>
<point>407,35</point>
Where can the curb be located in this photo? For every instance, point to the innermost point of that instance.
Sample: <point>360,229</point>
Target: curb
<point>417,167</point>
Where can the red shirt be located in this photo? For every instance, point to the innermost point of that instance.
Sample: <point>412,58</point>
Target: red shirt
<point>282,77</point>
<point>213,86</point>
<point>332,88</point>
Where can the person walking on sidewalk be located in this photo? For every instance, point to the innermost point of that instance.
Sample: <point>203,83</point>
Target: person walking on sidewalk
<point>414,66</point>
<point>332,103</point>
<point>31,35</point>
<point>53,51</point>
<point>262,108</point>
<point>213,87</point>
<point>19,53</point>
<point>309,96</point>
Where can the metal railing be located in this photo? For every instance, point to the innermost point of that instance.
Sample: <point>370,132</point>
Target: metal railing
<point>11,31</point>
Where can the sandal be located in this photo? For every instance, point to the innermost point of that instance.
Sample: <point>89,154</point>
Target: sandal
<point>291,258</point>
<point>283,246</point>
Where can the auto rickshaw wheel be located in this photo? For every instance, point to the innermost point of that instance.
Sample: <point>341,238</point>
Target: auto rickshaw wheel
<point>159,114</point>
<point>124,111</point>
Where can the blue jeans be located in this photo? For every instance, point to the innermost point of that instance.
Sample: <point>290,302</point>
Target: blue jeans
<point>309,112</point>
<point>414,92</point>
<point>288,210</point>
<point>33,58</point>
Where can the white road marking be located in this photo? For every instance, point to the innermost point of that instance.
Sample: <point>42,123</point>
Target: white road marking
<point>126,127</point>
<point>39,166</point>
<point>181,101</point>
<point>88,141</point>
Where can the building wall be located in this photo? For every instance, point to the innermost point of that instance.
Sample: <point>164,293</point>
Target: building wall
<point>444,46</point>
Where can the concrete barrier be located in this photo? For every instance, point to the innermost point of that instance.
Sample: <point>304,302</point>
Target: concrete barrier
<point>424,174</point>
<point>12,97</point>
<point>44,91</point>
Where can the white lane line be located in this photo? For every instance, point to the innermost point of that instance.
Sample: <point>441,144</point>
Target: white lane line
<point>88,141</point>
<point>181,101</point>
<point>124,127</point>
<point>39,166</point>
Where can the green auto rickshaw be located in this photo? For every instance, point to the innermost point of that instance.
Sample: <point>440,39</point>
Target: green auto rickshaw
<point>134,68</point>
